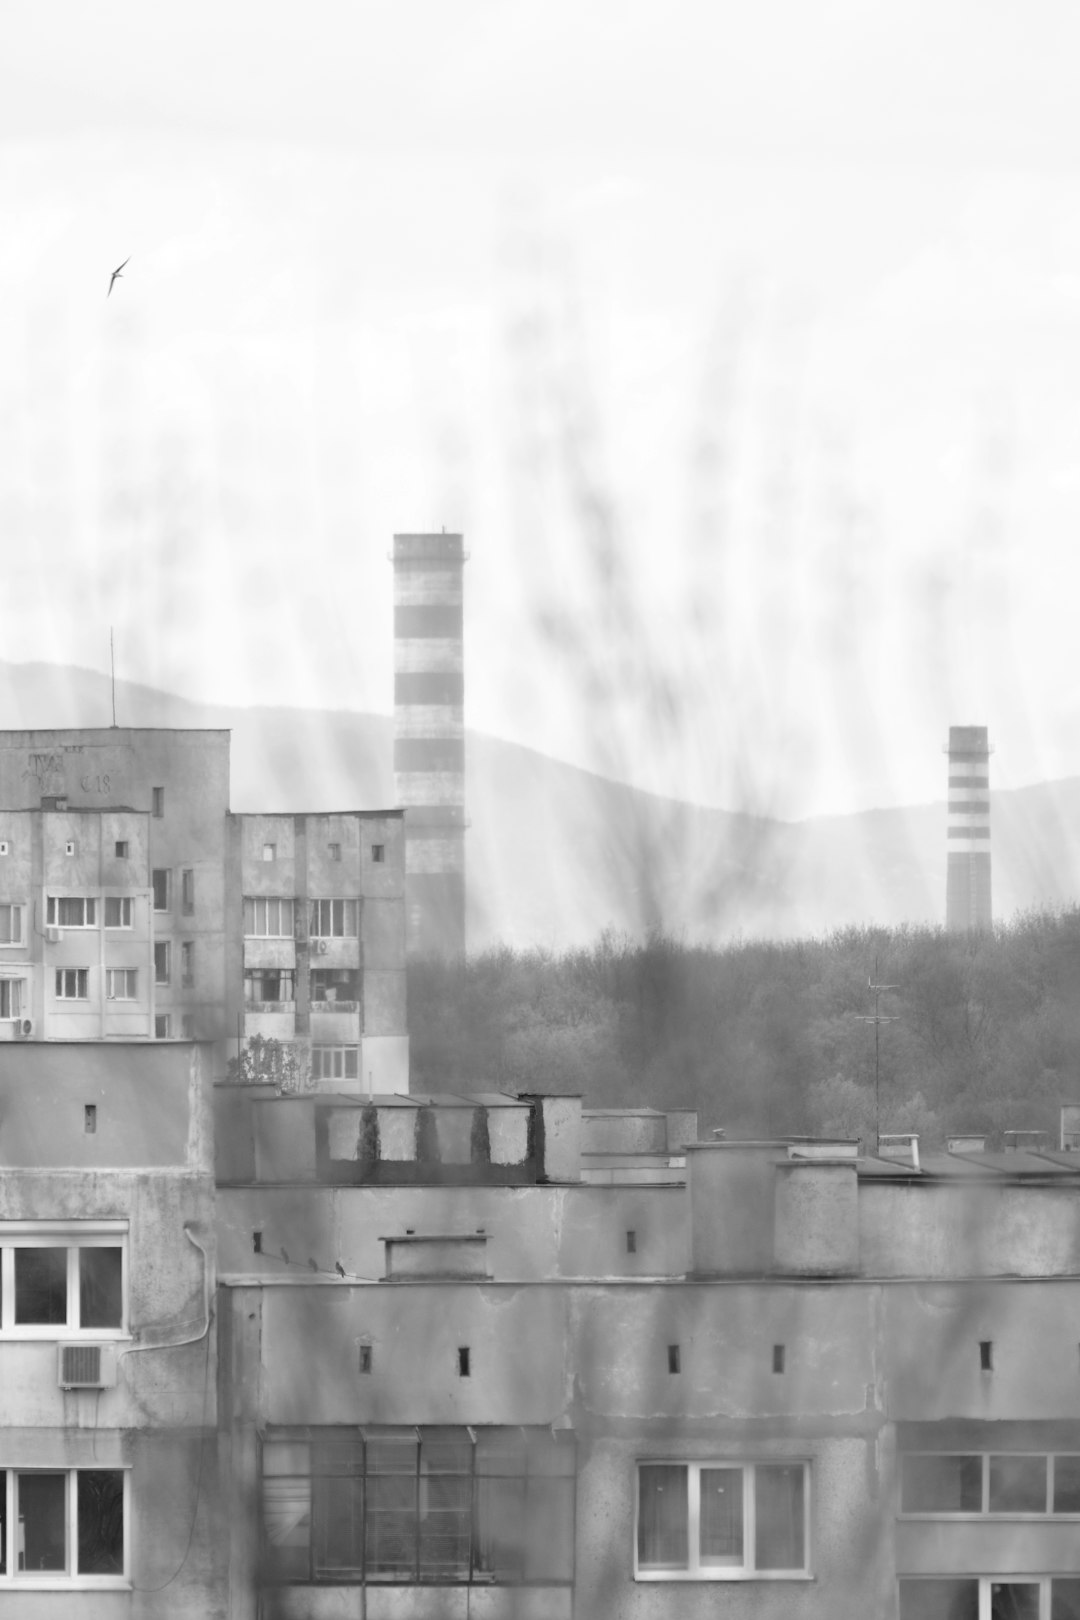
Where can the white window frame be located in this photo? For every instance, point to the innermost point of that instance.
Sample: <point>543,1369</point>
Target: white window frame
<point>286,906</point>
<point>350,923</point>
<point>128,978</point>
<point>747,1570</point>
<point>165,946</point>
<point>1040,1516</point>
<point>165,1033</point>
<point>62,994</point>
<point>52,911</point>
<point>71,1236</point>
<point>127,910</point>
<point>336,1056</point>
<point>987,1582</point>
<point>67,1580</point>
<point>18,916</point>
<point>17,997</point>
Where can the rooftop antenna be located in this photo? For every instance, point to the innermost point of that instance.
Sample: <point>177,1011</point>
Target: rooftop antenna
<point>877,1018</point>
<point>112,669</point>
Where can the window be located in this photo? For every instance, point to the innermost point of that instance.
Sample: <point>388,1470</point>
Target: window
<point>986,1355</point>
<point>463,1367</point>
<point>69,847</point>
<point>406,1505</point>
<point>70,911</point>
<point>334,851</point>
<point>162,961</point>
<point>187,963</point>
<point>1008,1482</point>
<point>268,919</point>
<point>48,1278</point>
<point>335,1062</point>
<point>121,849</point>
<point>11,924</point>
<point>721,1521</point>
<point>187,890</point>
<point>12,997</point>
<point>269,984</point>
<point>631,1242</point>
<point>366,1360</point>
<point>157,801</point>
<point>673,1358</point>
<point>118,911</point>
<point>187,1027</point>
<point>162,885</point>
<point>778,1357</point>
<point>990,1598</point>
<point>333,919</point>
<point>121,984</point>
<point>90,1119</point>
<point>73,984</point>
<point>70,1523</point>
<point>378,853</point>
<point>5,847</point>
<point>269,852</point>
<point>335,984</point>
<point>162,1026</point>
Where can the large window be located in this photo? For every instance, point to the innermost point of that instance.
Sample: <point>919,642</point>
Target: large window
<point>52,1278</point>
<point>990,1597</point>
<point>1010,1483</point>
<point>406,1505</point>
<point>721,1520</point>
<point>12,924</point>
<point>70,1522</point>
<point>270,918</point>
<point>71,911</point>
<point>335,1062</point>
<point>269,984</point>
<point>335,984</point>
<point>334,919</point>
<point>118,911</point>
<point>121,984</point>
<point>73,984</point>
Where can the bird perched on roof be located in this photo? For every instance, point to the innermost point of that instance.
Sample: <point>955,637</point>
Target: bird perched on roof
<point>116,274</point>
<point>312,1264</point>
<point>285,1256</point>
<point>339,1268</point>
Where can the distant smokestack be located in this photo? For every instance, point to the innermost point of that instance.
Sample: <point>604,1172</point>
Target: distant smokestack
<point>967,887</point>
<point>429,737</point>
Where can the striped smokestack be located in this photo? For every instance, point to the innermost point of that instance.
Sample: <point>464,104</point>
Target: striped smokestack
<point>967,884</point>
<point>429,737</point>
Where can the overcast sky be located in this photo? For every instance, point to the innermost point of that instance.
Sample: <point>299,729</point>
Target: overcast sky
<point>742,341</point>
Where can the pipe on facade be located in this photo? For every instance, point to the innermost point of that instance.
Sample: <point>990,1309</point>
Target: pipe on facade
<point>208,1315</point>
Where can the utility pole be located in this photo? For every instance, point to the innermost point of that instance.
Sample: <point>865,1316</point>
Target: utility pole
<point>877,1018</point>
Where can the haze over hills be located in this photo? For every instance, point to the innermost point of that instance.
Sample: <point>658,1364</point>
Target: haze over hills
<point>557,853</point>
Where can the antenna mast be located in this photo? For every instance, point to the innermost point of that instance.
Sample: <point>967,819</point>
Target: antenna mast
<point>877,1018</point>
<point>112,669</point>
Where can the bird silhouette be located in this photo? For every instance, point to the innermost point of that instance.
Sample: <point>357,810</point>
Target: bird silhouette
<point>312,1264</point>
<point>285,1257</point>
<point>116,274</point>
<point>339,1268</point>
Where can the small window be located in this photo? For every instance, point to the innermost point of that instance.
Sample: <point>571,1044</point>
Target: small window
<point>73,984</point>
<point>162,961</point>
<point>378,853</point>
<point>187,890</point>
<point>157,798</point>
<point>5,847</point>
<point>365,1358</point>
<point>12,997</point>
<point>11,925</point>
<point>334,851</point>
<point>187,1026</point>
<point>269,852</point>
<point>187,964</point>
<point>121,849</point>
<point>70,911</point>
<point>256,1242</point>
<point>777,1358</point>
<point>50,1281</point>
<point>162,884</point>
<point>162,1026</point>
<point>121,984</point>
<point>69,847</point>
<point>631,1243</point>
<point>463,1368</point>
<point>118,911</point>
<point>986,1355</point>
<point>673,1358</point>
<point>90,1119</point>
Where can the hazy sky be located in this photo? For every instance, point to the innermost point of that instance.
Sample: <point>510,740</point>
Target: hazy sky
<point>742,341</point>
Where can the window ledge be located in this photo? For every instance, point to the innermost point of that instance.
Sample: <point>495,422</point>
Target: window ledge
<point>697,1577</point>
<point>65,1583</point>
<point>39,1334</point>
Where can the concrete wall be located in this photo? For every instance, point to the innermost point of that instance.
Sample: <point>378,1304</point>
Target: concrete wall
<point>984,1228</point>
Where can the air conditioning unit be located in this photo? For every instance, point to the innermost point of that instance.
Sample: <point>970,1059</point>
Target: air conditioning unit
<point>321,946</point>
<point>24,1027</point>
<point>53,936</point>
<point>86,1366</point>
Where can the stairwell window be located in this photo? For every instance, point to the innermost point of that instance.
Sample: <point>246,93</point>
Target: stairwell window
<point>334,919</point>
<point>187,891</point>
<point>71,1525</point>
<point>722,1521</point>
<point>162,961</point>
<point>187,964</point>
<point>121,984</point>
<point>157,801</point>
<point>73,984</point>
<point>70,911</point>
<point>12,924</point>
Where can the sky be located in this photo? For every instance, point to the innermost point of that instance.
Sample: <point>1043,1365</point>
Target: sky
<point>742,343</point>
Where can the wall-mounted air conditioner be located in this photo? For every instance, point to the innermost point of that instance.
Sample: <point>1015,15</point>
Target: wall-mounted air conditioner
<point>24,1027</point>
<point>86,1366</point>
<point>53,936</point>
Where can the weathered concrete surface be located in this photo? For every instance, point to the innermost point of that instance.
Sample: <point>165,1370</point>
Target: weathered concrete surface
<point>816,1218</point>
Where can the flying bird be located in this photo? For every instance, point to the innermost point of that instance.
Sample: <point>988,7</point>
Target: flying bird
<point>116,273</point>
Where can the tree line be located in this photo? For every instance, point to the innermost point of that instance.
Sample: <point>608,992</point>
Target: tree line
<point>768,1037</point>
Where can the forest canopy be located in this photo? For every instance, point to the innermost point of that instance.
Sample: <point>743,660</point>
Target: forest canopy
<point>767,1037</point>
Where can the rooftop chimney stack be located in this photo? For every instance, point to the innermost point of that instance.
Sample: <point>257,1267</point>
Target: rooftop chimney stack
<point>967,891</point>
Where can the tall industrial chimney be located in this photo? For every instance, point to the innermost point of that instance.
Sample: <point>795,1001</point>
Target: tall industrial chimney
<point>967,885</point>
<point>429,737</point>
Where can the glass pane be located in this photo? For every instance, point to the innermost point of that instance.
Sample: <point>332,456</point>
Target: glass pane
<point>101,1299</point>
<point>101,1521</point>
<point>662,1533</point>
<point>721,1515</point>
<point>445,1527</point>
<point>1067,1484</point>
<point>287,1523</point>
<point>1014,1600</point>
<point>42,1500</point>
<point>778,1505</point>
<point>3,1524</point>
<point>939,1600</point>
<point>941,1485</point>
<point>1017,1484</point>
<point>391,1526</point>
<point>549,1530</point>
<point>339,1526</point>
<point>1065,1600</point>
<point>41,1286</point>
<point>501,1527</point>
